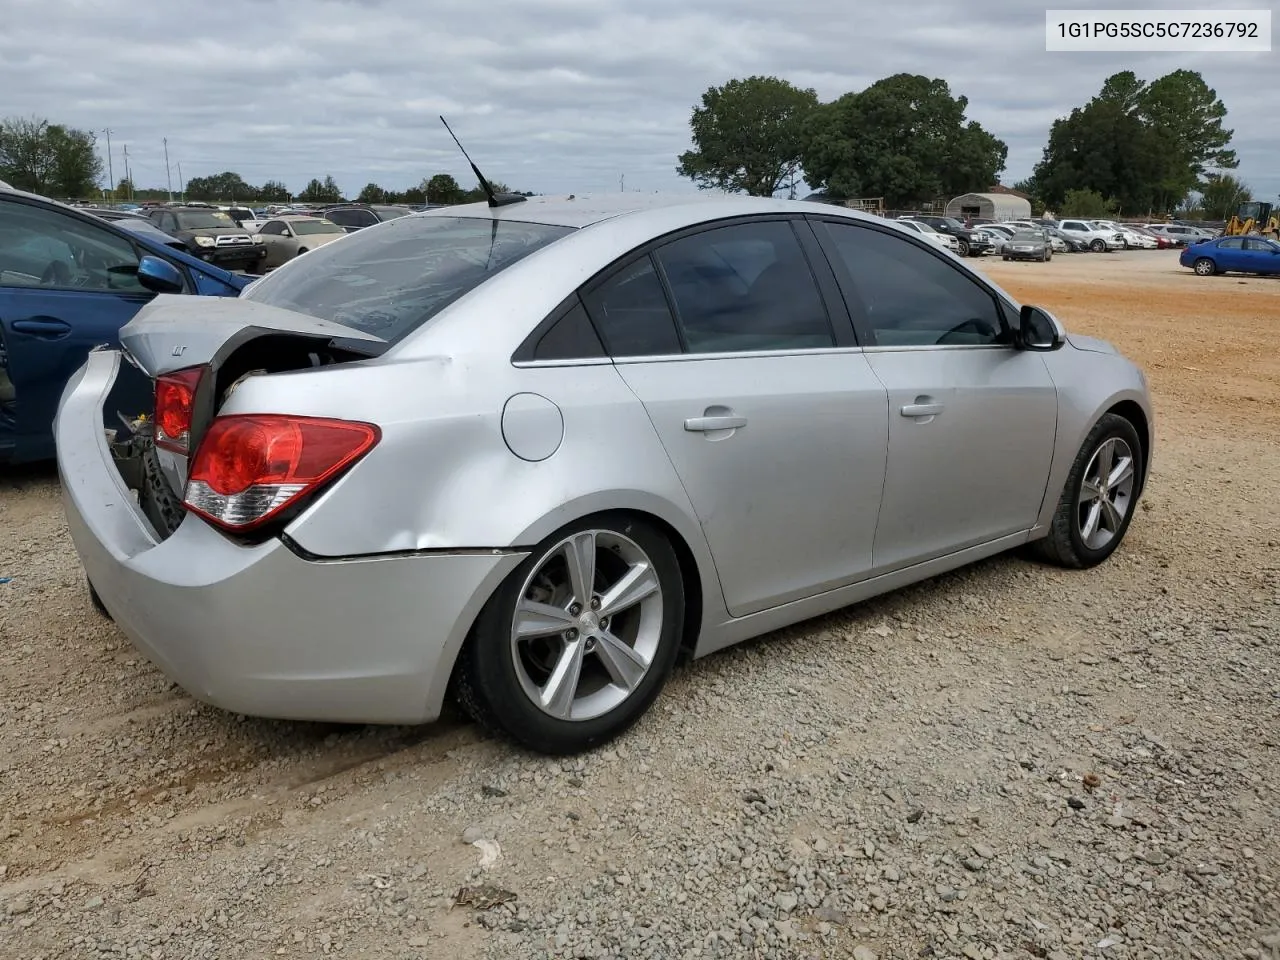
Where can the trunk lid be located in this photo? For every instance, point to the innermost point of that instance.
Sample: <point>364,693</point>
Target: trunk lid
<point>175,331</point>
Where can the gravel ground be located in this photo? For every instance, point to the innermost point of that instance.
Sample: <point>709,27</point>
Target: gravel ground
<point>1010,761</point>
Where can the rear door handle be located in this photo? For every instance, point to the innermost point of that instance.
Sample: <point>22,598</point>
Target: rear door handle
<point>707,424</point>
<point>914,410</point>
<point>48,329</point>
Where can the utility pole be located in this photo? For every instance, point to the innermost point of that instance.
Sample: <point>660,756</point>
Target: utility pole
<point>622,183</point>
<point>127,175</point>
<point>182,184</point>
<point>168,177</point>
<point>111,174</point>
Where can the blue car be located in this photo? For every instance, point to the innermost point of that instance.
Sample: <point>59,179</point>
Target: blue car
<point>1233,255</point>
<point>68,282</point>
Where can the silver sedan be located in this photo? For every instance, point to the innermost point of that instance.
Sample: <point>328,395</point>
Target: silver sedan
<point>287,237</point>
<point>526,454</point>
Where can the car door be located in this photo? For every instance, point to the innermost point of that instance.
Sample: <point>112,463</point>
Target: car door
<point>972,419</point>
<point>1264,255</point>
<point>275,236</point>
<point>768,410</point>
<point>81,289</point>
<point>1230,255</point>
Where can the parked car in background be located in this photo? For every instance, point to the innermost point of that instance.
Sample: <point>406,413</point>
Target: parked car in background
<point>1098,238</point>
<point>340,448</point>
<point>1069,243</point>
<point>1233,255</point>
<point>1028,245</point>
<point>941,239</point>
<point>997,235</point>
<point>1162,242</point>
<point>247,218</point>
<point>289,237</point>
<point>353,217</point>
<point>969,242</point>
<point>1132,239</point>
<point>143,227</point>
<point>68,281</point>
<point>211,235</point>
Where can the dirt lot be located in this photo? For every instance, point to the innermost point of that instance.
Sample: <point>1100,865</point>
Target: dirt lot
<point>1011,761</point>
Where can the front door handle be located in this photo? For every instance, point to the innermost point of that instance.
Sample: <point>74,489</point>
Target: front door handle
<point>915,410</point>
<point>707,424</point>
<point>49,329</point>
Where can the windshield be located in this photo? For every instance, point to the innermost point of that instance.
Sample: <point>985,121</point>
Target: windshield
<point>923,227</point>
<point>390,280</point>
<point>391,213</point>
<point>306,227</point>
<point>953,223</point>
<point>203,219</point>
<point>993,228</point>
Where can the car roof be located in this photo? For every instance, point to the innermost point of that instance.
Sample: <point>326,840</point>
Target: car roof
<point>294,216</point>
<point>583,210</point>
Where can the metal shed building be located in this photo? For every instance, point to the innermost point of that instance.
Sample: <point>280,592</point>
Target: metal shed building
<point>997,206</point>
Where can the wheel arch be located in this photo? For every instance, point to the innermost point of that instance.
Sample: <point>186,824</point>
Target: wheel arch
<point>1133,412</point>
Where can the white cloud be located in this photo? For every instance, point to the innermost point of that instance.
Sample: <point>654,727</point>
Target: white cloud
<point>548,95</point>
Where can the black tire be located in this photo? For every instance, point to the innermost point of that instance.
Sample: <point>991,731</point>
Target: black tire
<point>489,689</point>
<point>962,247</point>
<point>97,602</point>
<point>1044,255</point>
<point>1065,546</point>
<point>1098,246</point>
<point>1205,267</point>
<point>1006,256</point>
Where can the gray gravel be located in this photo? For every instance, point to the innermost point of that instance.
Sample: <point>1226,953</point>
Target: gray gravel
<point>1011,761</point>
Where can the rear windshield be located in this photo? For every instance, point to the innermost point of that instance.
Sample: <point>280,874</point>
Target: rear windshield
<point>391,213</point>
<point>390,279</point>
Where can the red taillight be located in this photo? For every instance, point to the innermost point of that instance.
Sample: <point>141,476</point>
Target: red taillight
<point>175,400</point>
<point>249,467</point>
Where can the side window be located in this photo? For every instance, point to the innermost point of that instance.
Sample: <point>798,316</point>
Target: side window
<point>1262,246</point>
<point>47,248</point>
<point>1232,243</point>
<point>570,338</point>
<point>365,218</point>
<point>273,229</point>
<point>745,287</point>
<point>1072,225</point>
<point>630,311</point>
<point>342,218</point>
<point>909,296</point>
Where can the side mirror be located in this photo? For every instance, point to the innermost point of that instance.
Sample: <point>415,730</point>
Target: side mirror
<point>159,276</point>
<point>1038,331</point>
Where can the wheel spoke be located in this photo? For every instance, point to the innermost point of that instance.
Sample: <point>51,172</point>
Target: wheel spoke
<point>637,583</point>
<point>580,555</point>
<point>1091,522</point>
<point>1106,453</point>
<point>535,619</point>
<point>626,667</point>
<point>1089,491</point>
<point>1111,517</point>
<point>561,688</point>
<point>1121,472</point>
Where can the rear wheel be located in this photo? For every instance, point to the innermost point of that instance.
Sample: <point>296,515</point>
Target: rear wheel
<point>1205,267</point>
<point>577,642</point>
<point>1098,500</point>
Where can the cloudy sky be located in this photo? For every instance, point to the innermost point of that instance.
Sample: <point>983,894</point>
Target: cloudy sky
<point>548,95</point>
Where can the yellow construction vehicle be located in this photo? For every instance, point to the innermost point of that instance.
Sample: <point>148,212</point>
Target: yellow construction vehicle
<point>1255,217</point>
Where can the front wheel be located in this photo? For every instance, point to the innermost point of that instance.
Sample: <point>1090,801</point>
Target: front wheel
<point>962,248</point>
<point>1098,246</point>
<point>1098,500</point>
<point>1205,267</point>
<point>578,641</point>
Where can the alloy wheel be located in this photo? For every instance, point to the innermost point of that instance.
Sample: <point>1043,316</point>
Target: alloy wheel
<point>587,625</point>
<point>1106,493</point>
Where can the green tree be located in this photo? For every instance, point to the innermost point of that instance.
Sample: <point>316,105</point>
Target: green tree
<point>317,191</point>
<point>372,193</point>
<point>1222,196</point>
<point>228,186</point>
<point>1147,145</point>
<point>1086,204</point>
<point>416,194</point>
<point>904,138</point>
<point>47,158</point>
<point>124,189</point>
<point>748,135</point>
<point>442,188</point>
<point>273,191</point>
